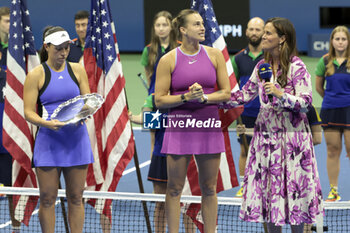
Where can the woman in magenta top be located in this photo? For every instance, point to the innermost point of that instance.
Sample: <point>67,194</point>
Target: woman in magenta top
<point>186,78</point>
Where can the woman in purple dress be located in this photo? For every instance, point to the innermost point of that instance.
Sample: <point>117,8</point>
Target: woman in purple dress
<point>281,183</point>
<point>58,148</point>
<point>186,80</point>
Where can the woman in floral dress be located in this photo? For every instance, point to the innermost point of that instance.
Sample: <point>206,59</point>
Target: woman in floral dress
<point>281,183</point>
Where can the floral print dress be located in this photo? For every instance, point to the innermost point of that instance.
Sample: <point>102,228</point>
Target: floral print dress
<point>281,182</point>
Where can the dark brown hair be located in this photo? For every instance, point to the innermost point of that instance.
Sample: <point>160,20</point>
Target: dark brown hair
<point>81,15</point>
<point>181,20</point>
<point>155,42</point>
<point>48,31</point>
<point>288,48</point>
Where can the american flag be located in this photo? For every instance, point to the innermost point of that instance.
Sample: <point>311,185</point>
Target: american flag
<point>17,132</point>
<point>227,178</point>
<point>110,130</point>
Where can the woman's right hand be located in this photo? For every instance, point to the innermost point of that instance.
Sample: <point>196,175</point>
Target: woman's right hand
<point>195,92</point>
<point>241,129</point>
<point>54,124</point>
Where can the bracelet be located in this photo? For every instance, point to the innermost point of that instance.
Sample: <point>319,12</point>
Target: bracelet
<point>183,98</point>
<point>205,99</point>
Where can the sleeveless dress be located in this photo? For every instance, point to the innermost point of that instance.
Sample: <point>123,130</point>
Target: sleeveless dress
<point>70,145</point>
<point>199,132</point>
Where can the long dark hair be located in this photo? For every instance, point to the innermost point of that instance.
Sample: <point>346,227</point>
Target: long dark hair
<point>288,48</point>
<point>331,54</point>
<point>155,42</point>
<point>48,31</point>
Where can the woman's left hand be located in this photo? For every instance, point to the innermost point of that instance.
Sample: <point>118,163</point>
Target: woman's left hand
<point>271,89</point>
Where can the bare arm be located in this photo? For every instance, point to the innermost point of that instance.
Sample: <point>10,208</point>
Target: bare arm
<point>138,119</point>
<point>82,78</point>
<point>32,85</point>
<point>224,92</point>
<point>320,85</point>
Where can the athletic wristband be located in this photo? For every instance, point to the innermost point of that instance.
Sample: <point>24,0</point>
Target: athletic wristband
<point>183,99</point>
<point>205,99</point>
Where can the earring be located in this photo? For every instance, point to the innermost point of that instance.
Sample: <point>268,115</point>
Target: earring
<point>279,47</point>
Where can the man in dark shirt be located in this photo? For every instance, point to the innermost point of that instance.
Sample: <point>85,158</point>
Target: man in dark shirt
<point>81,19</point>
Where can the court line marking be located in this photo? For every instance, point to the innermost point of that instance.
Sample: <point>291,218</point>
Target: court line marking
<point>144,164</point>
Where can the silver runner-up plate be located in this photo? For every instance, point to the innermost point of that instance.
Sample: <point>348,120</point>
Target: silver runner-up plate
<point>78,108</point>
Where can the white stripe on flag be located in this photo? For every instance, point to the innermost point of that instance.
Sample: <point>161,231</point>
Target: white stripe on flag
<point>17,135</point>
<point>93,140</point>
<point>225,172</point>
<point>15,69</point>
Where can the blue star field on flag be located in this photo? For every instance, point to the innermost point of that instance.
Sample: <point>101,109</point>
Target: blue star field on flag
<point>21,39</point>
<point>212,30</point>
<point>100,36</point>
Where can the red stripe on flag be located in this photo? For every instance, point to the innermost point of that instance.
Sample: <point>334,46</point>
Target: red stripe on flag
<point>122,163</point>
<point>19,121</point>
<point>225,53</point>
<point>117,131</point>
<point>14,83</point>
<point>98,121</point>
<point>92,71</point>
<point>113,94</point>
<point>17,153</point>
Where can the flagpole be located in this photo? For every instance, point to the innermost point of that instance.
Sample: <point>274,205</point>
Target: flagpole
<point>139,177</point>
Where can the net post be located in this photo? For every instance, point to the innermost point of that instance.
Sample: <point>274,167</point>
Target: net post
<point>319,223</point>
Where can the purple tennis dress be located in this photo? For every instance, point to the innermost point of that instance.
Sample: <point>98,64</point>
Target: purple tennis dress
<point>193,128</point>
<point>70,145</point>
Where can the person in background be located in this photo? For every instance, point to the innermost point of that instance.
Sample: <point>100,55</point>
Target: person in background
<point>81,20</point>
<point>163,39</point>
<point>59,148</point>
<point>334,68</point>
<point>243,65</point>
<point>281,165</point>
<point>186,84</point>
<point>4,35</point>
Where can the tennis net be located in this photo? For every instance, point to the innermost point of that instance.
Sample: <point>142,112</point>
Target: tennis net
<point>135,212</point>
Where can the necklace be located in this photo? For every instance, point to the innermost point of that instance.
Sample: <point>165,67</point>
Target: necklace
<point>191,58</point>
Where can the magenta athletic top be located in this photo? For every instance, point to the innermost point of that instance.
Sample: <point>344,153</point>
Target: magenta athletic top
<point>200,132</point>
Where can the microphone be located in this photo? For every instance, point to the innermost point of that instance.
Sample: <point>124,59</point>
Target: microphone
<point>265,72</point>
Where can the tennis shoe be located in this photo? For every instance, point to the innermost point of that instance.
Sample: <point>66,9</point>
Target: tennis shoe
<point>333,195</point>
<point>240,192</point>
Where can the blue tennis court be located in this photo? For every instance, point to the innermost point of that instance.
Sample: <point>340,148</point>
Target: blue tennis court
<point>128,183</point>
<point>128,216</point>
